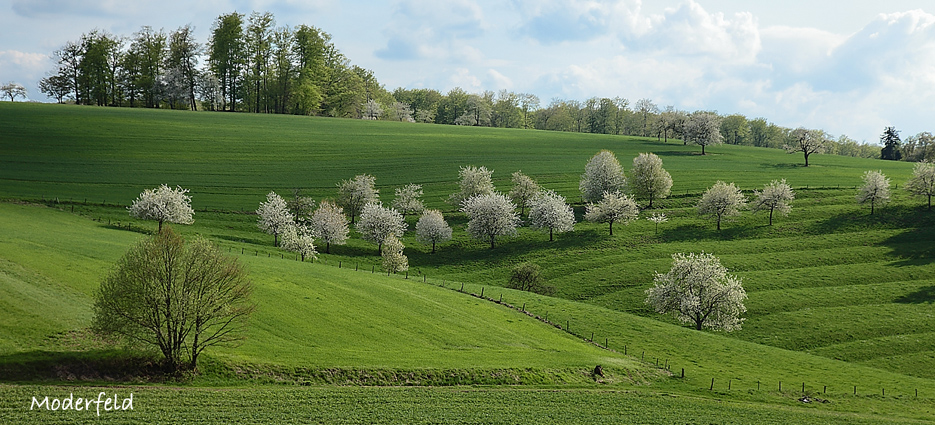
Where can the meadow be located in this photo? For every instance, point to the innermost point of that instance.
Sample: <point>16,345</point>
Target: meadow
<point>838,299</point>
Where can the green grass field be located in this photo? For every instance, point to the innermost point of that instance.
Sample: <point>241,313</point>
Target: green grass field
<point>837,298</point>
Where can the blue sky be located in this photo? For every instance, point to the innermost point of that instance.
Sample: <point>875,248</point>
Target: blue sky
<point>848,67</point>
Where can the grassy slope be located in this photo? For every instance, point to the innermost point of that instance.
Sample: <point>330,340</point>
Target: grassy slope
<point>230,161</point>
<point>309,315</point>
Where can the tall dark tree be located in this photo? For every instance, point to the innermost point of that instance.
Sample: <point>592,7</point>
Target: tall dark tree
<point>149,47</point>
<point>183,57</point>
<point>891,142</point>
<point>226,55</point>
<point>98,66</point>
<point>259,46</point>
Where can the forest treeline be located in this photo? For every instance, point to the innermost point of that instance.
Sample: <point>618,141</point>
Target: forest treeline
<point>249,64</point>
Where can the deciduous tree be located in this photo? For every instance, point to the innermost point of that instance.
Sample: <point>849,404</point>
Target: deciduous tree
<point>13,90</point>
<point>181,298</point>
<point>377,222</point>
<point>648,179</point>
<point>474,181</point>
<point>807,142</point>
<point>432,228</point>
<point>876,190</point>
<point>354,193</point>
<point>297,239</point>
<point>274,216</point>
<point>163,204</point>
<point>491,215</point>
<point>549,211</point>
<point>524,190</point>
<point>703,129</point>
<point>394,260</point>
<point>721,201</point>
<point>922,182</point>
<point>528,277</point>
<point>408,199</point>
<point>775,197</point>
<point>698,290</point>
<point>329,225</point>
<point>602,173</point>
<point>613,207</point>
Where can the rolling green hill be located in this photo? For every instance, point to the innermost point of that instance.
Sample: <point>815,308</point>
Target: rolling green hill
<point>837,298</point>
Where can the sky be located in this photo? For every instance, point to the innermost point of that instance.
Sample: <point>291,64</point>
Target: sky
<point>847,67</point>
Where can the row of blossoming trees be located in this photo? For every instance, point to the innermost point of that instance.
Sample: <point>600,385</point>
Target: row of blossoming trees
<point>609,195</point>
<point>610,198</point>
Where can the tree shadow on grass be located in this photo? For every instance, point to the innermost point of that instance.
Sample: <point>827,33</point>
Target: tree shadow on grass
<point>911,247</point>
<point>79,366</point>
<point>925,295</point>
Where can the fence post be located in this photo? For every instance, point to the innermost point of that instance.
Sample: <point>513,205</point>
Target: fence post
<point>712,385</point>
<point>780,386</point>
<point>728,383</point>
<point>683,372</point>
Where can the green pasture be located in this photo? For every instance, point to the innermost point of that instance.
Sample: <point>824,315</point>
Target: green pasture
<point>837,298</point>
<point>230,161</point>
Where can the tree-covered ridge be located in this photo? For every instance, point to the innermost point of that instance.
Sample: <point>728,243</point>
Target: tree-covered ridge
<point>250,64</point>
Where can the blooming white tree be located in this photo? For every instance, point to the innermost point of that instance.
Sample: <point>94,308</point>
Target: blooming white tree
<point>721,201</point>
<point>775,196</point>
<point>657,218</point>
<point>274,216</point>
<point>297,239</point>
<point>377,222</point>
<point>354,193</point>
<point>474,181</point>
<point>602,173</point>
<point>648,179</point>
<point>13,90</point>
<point>922,182</point>
<point>698,290</point>
<point>703,129</point>
<point>372,110</point>
<point>613,207</point>
<point>876,190</point>
<point>490,215</point>
<point>432,228</point>
<point>393,258</point>
<point>807,142</point>
<point>524,190</point>
<point>329,225</point>
<point>163,204</point>
<point>549,211</point>
<point>408,199</point>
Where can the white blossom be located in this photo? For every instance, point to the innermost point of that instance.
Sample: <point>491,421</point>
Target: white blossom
<point>612,208</point>
<point>876,190</point>
<point>377,222</point>
<point>922,182</point>
<point>698,290</point>
<point>549,211</point>
<point>490,215</point>
<point>602,173</point>
<point>297,239</point>
<point>408,200</point>
<point>658,218</point>
<point>393,258</point>
<point>163,204</point>
<point>432,228</point>
<point>354,193</point>
<point>274,216</point>
<point>474,181</point>
<point>524,190</point>
<point>721,201</point>
<point>648,179</point>
<point>775,196</point>
<point>329,225</point>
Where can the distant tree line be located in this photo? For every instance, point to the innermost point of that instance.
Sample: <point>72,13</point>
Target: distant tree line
<point>249,64</point>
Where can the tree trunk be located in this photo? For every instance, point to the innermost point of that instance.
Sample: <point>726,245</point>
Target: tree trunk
<point>275,239</point>
<point>433,247</point>
<point>160,226</point>
<point>327,247</point>
<point>770,216</point>
<point>550,234</point>
<point>806,159</point>
<point>492,237</point>
<point>719,223</point>
<point>702,149</point>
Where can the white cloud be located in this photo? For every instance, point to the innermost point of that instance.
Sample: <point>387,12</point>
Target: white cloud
<point>499,81</point>
<point>430,29</point>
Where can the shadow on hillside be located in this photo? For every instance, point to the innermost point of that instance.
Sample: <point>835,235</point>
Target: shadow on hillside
<point>780,166</point>
<point>912,247</point>
<point>677,153</point>
<point>73,366</point>
<point>922,296</point>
